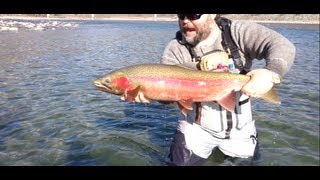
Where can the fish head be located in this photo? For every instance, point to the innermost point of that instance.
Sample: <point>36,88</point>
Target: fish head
<point>115,83</point>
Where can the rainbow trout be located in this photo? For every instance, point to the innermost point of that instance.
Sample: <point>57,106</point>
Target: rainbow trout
<point>175,83</point>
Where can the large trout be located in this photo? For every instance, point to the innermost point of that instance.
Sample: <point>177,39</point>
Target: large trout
<point>175,83</point>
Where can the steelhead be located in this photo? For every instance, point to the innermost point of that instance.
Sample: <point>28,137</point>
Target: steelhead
<point>175,83</point>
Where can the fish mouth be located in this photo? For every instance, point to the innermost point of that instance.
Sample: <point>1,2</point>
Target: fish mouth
<point>102,87</point>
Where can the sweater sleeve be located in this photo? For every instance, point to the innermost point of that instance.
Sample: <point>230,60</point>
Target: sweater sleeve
<point>259,42</point>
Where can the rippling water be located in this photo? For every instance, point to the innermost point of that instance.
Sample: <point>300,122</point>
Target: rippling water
<point>50,113</point>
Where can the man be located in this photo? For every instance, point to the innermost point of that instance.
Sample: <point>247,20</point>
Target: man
<point>201,43</point>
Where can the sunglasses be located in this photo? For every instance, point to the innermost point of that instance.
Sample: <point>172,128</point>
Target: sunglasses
<point>189,16</point>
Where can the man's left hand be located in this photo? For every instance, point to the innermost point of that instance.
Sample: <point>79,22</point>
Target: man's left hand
<point>259,84</point>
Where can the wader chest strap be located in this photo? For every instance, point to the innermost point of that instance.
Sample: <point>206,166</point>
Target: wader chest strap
<point>228,43</point>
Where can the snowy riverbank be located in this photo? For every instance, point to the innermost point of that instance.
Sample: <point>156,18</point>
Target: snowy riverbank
<point>52,22</point>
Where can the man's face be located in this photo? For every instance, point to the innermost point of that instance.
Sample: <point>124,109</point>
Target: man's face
<point>195,30</point>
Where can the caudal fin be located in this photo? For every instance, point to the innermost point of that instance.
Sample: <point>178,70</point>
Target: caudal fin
<point>271,96</point>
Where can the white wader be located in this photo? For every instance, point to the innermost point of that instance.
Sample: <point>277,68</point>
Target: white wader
<point>235,136</point>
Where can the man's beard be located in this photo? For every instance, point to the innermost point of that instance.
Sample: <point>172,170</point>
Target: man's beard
<point>202,34</point>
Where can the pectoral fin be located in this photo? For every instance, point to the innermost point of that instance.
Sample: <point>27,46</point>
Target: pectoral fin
<point>132,93</point>
<point>228,101</point>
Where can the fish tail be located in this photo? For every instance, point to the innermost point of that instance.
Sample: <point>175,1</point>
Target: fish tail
<point>271,96</point>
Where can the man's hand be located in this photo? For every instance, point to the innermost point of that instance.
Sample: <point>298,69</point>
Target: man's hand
<point>261,82</point>
<point>139,98</point>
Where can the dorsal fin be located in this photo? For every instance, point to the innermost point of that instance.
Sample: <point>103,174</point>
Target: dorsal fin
<point>189,65</point>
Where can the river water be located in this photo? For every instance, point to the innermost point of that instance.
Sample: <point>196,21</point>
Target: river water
<point>51,114</point>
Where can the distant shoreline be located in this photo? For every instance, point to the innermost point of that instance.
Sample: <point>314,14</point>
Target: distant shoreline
<point>147,19</point>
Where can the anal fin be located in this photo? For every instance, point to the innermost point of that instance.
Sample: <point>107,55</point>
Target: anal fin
<point>228,101</point>
<point>185,105</point>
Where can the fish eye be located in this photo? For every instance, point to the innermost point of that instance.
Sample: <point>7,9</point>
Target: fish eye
<point>107,80</point>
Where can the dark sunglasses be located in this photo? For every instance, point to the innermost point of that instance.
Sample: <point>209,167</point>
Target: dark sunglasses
<point>189,16</point>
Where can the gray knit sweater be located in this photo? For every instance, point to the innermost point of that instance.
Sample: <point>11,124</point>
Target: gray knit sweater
<point>254,41</point>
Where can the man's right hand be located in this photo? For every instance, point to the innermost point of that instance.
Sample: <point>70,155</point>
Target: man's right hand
<point>139,98</point>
